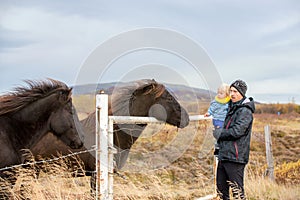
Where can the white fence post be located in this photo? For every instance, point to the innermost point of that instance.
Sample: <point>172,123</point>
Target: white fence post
<point>111,151</point>
<point>102,147</point>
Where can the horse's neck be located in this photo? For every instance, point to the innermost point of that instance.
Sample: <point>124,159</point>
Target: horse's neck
<point>125,134</point>
<point>89,124</point>
<point>32,120</point>
<point>37,111</point>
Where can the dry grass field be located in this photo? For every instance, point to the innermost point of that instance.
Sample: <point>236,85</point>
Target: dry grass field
<point>167,163</point>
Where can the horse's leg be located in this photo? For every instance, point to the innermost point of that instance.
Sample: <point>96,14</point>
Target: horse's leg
<point>93,180</point>
<point>25,188</point>
<point>32,171</point>
<point>9,156</point>
<point>7,181</point>
<point>121,158</point>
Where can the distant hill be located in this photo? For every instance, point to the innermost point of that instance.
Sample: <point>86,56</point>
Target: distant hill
<point>185,93</point>
<point>91,88</point>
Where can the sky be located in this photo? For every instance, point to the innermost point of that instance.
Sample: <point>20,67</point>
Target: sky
<point>256,41</point>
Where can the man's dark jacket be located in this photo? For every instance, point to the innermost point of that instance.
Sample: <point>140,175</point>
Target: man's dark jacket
<point>234,140</point>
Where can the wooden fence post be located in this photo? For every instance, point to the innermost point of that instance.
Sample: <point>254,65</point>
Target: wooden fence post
<point>269,155</point>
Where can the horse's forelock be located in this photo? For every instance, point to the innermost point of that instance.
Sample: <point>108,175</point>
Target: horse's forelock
<point>156,89</point>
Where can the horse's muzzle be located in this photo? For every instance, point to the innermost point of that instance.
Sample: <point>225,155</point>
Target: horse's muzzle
<point>76,145</point>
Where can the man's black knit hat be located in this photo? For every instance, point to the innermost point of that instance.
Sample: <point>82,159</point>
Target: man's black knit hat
<point>241,86</point>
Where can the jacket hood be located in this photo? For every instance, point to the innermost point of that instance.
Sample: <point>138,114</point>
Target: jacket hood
<point>249,103</point>
<point>245,102</point>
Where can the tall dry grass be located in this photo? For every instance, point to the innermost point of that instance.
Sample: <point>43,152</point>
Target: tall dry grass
<point>157,185</point>
<point>55,181</point>
<point>260,187</point>
<point>190,176</point>
<point>170,183</point>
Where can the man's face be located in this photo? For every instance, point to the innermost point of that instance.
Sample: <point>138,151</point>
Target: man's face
<point>235,96</point>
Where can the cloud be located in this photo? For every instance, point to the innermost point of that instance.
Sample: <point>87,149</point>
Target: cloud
<point>48,39</point>
<point>278,68</point>
<point>254,40</point>
<point>280,24</point>
<point>283,85</point>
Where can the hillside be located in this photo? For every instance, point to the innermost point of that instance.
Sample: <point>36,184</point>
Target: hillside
<point>185,93</point>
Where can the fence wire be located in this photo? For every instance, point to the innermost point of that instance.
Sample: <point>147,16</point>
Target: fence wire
<point>48,160</point>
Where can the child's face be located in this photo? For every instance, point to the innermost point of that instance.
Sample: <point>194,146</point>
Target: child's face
<point>221,94</point>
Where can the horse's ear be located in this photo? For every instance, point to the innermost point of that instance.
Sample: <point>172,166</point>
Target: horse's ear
<point>70,93</point>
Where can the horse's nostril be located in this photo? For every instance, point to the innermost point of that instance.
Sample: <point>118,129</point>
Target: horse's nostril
<point>72,144</point>
<point>81,144</point>
<point>183,123</point>
<point>76,145</point>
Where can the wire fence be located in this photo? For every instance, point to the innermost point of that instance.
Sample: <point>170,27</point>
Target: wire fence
<point>48,160</point>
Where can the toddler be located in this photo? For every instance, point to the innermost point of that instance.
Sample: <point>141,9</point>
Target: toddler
<point>218,109</point>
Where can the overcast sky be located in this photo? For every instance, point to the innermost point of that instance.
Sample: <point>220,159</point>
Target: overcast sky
<point>257,41</point>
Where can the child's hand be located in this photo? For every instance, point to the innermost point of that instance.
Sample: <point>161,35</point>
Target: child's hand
<point>206,114</point>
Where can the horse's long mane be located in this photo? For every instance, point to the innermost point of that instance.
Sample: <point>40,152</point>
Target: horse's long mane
<point>22,96</point>
<point>122,94</point>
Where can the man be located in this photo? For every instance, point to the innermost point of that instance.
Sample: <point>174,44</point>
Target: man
<point>234,142</point>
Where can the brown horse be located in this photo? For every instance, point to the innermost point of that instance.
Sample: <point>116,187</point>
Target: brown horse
<point>28,114</point>
<point>139,98</point>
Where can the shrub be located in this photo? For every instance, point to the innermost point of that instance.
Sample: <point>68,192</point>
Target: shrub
<point>288,173</point>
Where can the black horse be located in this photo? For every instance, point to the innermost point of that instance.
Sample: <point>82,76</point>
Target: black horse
<point>29,113</point>
<point>139,98</point>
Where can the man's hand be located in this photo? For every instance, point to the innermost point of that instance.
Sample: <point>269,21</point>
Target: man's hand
<point>217,133</point>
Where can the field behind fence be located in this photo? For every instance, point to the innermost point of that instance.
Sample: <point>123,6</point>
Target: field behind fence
<point>191,175</point>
